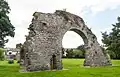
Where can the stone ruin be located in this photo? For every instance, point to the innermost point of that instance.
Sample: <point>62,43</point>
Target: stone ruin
<point>42,49</point>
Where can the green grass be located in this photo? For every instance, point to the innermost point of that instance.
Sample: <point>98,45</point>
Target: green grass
<point>74,69</point>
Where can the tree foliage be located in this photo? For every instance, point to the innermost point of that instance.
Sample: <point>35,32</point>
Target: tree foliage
<point>112,40</point>
<point>74,53</point>
<point>19,46</point>
<point>6,28</point>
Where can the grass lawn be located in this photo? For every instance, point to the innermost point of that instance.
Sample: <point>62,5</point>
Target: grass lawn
<point>74,66</point>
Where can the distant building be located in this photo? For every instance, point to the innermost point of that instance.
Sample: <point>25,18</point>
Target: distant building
<point>12,51</point>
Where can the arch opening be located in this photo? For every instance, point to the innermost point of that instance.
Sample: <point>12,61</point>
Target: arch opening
<point>53,62</point>
<point>73,44</point>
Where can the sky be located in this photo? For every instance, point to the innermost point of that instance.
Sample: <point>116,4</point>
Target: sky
<point>97,14</point>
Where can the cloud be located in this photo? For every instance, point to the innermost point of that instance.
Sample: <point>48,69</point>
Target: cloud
<point>102,5</point>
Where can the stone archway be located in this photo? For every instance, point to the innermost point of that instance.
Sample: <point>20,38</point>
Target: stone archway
<point>45,40</point>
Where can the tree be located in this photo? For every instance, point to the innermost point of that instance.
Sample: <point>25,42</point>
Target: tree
<point>82,49</point>
<point>19,46</point>
<point>74,53</point>
<point>69,53</point>
<point>112,40</point>
<point>6,28</point>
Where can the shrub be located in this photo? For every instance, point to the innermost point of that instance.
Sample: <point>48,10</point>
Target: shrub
<point>1,54</point>
<point>10,61</point>
<point>18,61</point>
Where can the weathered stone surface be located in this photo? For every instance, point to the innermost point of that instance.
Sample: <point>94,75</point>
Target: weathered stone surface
<point>42,49</point>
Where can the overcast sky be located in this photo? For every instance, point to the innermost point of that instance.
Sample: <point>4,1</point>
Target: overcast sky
<point>97,14</point>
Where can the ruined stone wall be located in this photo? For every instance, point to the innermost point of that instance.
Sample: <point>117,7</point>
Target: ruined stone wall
<point>45,40</point>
